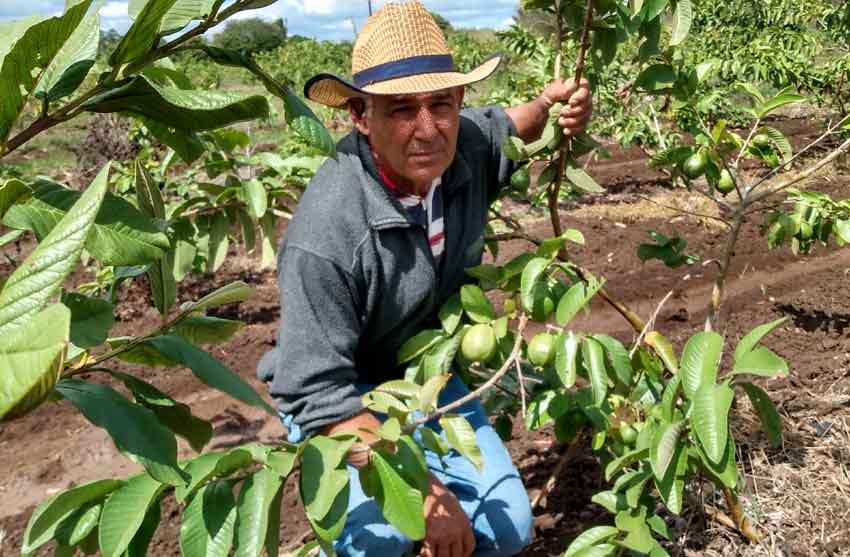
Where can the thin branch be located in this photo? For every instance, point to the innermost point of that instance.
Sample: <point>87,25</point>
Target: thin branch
<point>508,236</point>
<point>499,387</point>
<point>523,321</point>
<point>682,211</point>
<point>521,386</point>
<point>803,175</point>
<point>566,457</point>
<point>711,319</point>
<point>746,145</point>
<point>804,150</point>
<point>649,324</point>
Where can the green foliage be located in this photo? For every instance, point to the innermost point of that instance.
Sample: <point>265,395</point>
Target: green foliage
<point>250,36</point>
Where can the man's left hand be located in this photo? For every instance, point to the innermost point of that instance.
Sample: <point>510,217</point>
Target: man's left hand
<point>578,104</point>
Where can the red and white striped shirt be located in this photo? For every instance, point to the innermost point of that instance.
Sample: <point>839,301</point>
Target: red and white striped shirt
<point>426,211</point>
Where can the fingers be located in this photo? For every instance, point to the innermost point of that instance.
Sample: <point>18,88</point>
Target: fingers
<point>581,96</point>
<point>468,543</point>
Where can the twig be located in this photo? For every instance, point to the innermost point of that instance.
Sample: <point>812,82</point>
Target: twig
<point>300,540</point>
<point>649,324</point>
<point>523,321</point>
<point>746,145</point>
<point>566,149</point>
<point>508,236</point>
<point>498,387</point>
<point>682,211</point>
<point>803,175</point>
<point>566,457</point>
<point>801,152</point>
<point>521,386</point>
<point>740,520</point>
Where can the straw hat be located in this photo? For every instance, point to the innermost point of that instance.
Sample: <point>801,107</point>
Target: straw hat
<point>400,50</point>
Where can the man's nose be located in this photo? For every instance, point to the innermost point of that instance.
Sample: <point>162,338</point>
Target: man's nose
<point>426,124</point>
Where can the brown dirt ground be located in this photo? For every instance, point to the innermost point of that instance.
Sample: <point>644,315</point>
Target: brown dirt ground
<point>800,494</point>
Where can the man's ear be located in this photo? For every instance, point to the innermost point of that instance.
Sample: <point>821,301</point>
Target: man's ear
<point>357,111</point>
<point>459,92</point>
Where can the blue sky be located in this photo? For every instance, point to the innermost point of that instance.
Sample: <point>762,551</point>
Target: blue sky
<point>322,19</point>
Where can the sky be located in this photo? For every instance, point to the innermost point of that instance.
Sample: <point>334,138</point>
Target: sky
<point>320,19</point>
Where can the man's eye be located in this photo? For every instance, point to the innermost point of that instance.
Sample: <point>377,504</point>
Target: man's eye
<point>401,110</point>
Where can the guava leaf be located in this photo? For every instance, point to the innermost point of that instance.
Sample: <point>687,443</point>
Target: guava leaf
<point>180,14</point>
<point>209,465</point>
<point>91,319</point>
<point>11,191</point>
<point>254,196</point>
<point>699,361</point>
<point>664,348</point>
<point>73,61</point>
<point>134,429</point>
<point>208,369</point>
<point>323,477</point>
<point>461,437</point>
<point>79,525</point>
<point>174,415</point>
<point>450,314</point>
<point>594,361</point>
<point>124,513</point>
<point>139,544</point>
<point>143,34</point>
<point>767,413</point>
<point>418,344</point>
<point>582,180</point>
<point>656,78</point>
<point>400,503</point>
<point>45,520</point>
<point>664,445</point>
<point>121,235</point>
<point>177,108</point>
<point>683,18</point>
<point>202,329</point>
<point>209,520</point>
<point>237,291</point>
<point>761,361</point>
<point>31,360</point>
<point>530,276</point>
<point>476,304</point>
<point>24,64</point>
<point>710,418</point>
<point>591,537</point>
<point>566,353</point>
<point>35,281</point>
<point>259,493</point>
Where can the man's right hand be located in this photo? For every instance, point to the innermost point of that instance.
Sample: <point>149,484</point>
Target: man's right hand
<point>448,532</point>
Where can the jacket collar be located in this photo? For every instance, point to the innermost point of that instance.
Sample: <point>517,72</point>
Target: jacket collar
<point>383,210</point>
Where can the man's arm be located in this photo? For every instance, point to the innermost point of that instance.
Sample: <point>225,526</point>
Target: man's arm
<point>529,118</point>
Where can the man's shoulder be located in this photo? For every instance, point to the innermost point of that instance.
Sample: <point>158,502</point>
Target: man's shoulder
<point>332,215</point>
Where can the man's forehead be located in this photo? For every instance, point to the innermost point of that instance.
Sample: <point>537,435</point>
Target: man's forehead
<point>442,93</point>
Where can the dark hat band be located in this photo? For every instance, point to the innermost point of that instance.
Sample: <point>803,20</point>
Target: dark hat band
<point>430,63</point>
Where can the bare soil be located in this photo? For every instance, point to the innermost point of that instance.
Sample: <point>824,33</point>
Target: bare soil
<point>799,494</point>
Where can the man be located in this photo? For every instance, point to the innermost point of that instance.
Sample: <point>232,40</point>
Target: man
<point>379,241</point>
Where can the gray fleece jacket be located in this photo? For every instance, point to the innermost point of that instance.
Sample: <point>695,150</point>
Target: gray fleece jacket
<point>356,275</point>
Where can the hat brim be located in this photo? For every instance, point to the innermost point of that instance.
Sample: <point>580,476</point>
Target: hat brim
<point>331,90</point>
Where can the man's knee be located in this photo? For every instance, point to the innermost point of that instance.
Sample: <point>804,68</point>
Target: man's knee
<point>373,536</point>
<point>503,522</point>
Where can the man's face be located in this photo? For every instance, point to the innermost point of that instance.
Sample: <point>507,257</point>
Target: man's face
<point>413,137</point>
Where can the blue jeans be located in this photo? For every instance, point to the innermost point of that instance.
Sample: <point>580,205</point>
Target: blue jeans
<point>494,500</point>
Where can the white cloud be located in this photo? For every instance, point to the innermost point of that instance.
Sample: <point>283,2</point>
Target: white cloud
<point>321,19</point>
<point>114,10</point>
